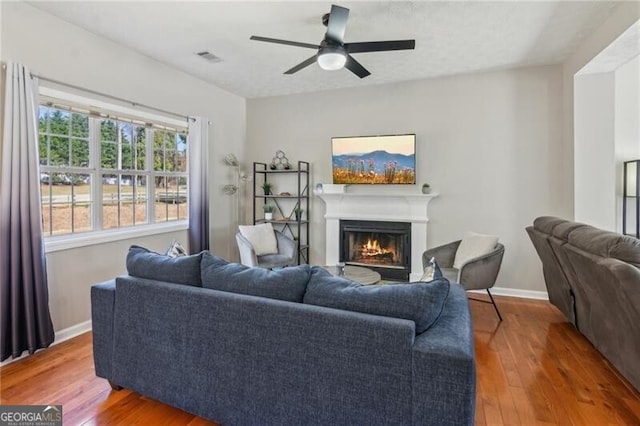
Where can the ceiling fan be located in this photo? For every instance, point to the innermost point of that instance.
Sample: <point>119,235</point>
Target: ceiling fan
<point>333,53</point>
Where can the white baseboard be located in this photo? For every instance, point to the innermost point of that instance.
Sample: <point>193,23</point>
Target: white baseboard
<point>61,336</point>
<point>514,292</point>
<point>71,332</point>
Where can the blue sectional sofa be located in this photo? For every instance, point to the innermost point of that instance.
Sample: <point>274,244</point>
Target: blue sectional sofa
<point>296,346</point>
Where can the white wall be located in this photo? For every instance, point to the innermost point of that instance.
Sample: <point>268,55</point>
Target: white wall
<point>607,133</point>
<point>61,51</point>
<point>623,16</point>
<point>490,144</point>
<point>627,128</point>
<point>595,166</point>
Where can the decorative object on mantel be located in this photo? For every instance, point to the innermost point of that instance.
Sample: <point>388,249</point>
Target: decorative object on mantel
<point>631,199</point>
<point>318,189</point>
<point>426,188</point>
<point>280,161</point>
<point>268,211</point>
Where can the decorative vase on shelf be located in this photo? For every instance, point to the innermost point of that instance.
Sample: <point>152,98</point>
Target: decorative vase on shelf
<point>268,211</point>
<point>426,189</point>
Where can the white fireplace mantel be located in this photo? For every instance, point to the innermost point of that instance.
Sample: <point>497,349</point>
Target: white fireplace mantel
<point>382,206</point>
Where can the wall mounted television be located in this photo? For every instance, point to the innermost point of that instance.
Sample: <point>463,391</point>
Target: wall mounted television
<point>389,159</point>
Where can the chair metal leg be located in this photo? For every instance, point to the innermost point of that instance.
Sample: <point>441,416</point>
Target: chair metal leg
<point>493,302</point>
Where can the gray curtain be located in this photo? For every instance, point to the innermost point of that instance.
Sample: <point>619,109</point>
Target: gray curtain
<point>25,318</point>
<point>198,184</point>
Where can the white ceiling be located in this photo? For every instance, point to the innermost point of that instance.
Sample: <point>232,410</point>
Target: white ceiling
<point>622,50</point>
<point>451,37</point>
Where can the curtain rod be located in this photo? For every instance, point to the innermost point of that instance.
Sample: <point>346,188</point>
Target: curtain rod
<point>127,101</point>
<point>93,92</point>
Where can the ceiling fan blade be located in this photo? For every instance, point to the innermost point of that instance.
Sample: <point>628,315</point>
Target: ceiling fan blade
<point>379,46</point>
<point>337,23</point>
<point>287,42</point>
<point>302,65</point>
<point>355,67</point>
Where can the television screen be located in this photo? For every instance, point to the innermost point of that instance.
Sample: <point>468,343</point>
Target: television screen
<point>374,159</point>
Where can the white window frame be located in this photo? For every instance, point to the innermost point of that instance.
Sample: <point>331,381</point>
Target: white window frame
<point>68,241</point>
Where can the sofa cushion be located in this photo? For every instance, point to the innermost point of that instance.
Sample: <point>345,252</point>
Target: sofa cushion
<point>420,302</point>
<point>261,237</point>
<point>627,250</point>
<point>563,230</point>
<point>547,223</point>
<point>473,245</point>
<point>144,263</point>
<point>606,244</point>
<point>284,284</point>
<point>594,240</point>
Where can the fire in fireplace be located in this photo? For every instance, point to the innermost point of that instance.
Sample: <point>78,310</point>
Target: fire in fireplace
<point>372,252</point>
<point>383,246</point>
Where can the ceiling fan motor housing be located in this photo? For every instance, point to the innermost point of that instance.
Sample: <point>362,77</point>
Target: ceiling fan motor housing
<point>331,56</point>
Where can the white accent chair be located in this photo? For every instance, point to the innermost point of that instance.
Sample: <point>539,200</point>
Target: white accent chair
<point>286,255</point>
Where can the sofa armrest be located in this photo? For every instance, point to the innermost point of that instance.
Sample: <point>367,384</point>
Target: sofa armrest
<point>444,365</point>
<point>247,253</point>
<point>103,298</point>
<point>444,255</point>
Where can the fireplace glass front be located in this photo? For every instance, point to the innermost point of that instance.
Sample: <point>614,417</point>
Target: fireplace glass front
<point>382,246</point>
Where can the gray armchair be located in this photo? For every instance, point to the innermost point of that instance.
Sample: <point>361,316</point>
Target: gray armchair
<point>479,273</point>
<point>286,255</point>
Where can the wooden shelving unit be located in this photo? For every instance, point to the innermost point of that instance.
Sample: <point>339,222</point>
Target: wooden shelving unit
<point>294,194</point>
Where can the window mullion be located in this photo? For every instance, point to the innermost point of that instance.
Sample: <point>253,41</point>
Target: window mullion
<point>95,163</point>
<point>151,178</point>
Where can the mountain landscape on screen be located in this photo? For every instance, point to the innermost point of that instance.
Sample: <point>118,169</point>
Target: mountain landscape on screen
<point>376,167</point>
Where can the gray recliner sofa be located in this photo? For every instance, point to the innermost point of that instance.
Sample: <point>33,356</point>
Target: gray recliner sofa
<point>593,277</point>
<point>212,340</point>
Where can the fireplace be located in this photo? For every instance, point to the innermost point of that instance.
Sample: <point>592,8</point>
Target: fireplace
<point>382,246</point>
<point>373,204</point>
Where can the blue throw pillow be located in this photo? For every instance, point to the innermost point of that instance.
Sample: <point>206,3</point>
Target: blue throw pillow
<point>421,302</point>
<point>144,263</point>
<point>283,284</point>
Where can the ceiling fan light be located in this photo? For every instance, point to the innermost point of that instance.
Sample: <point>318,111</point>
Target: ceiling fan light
<point>332,61</point>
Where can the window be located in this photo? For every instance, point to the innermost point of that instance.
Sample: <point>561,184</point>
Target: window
<point>101,171</point>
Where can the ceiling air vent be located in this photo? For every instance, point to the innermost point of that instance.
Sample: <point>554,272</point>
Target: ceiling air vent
<point>209,56</point>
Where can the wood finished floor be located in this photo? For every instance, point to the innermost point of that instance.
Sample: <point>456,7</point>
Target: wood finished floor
<point>533,369</point>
